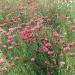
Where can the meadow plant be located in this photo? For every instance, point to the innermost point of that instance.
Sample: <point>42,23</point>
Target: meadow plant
<point>33,40</point>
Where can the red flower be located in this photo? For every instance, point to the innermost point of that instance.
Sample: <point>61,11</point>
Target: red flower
<point>12,21</point>
<point>37,51</point>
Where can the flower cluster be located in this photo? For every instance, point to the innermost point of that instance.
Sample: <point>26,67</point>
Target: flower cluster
<point>31,42</point>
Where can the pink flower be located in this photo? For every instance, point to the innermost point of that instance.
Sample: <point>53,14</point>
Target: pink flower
<point>62,63</point>
<point>19,28</point>
<point>16,58</point>
<point>61,42</point>
<point>52,67</point>
<point>33,59</point>
<point>11,29</point>
<point>17,44</point>
<point>46,49</point>
<point>3,61</point>
<point>67,48</point>
<point>9,37</point>
<point>27,34</point>
<point>12,65</point>
<point>19,19</point>
<point>5,24</point>
<point>10,48</point>
<point>48,44</point>
<point>4,46</point>
<point>49,20</point>
<point>37,51</point>
<point>66,1</point>
<point>73,30</point>
<point>3,32</point>
<point>50,52</point>
<point>14,36</point>
<point>23,24</point>
<point>12,21</point>
<point>4,69</point>
<point>47,62</point>
<point>71,44</point>
<point>21,8</point>
<point>55,34</point>
<point>51,73</point>
<point>73,27</point>
<point>9,42</point>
